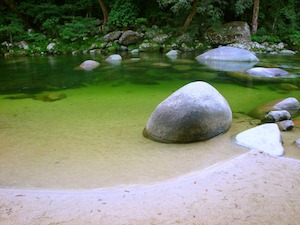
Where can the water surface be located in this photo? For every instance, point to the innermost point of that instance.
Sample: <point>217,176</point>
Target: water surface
<point>93,137</point>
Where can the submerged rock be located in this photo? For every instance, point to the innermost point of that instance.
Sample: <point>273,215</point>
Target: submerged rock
<point>228,54</point>
<point>267,72</point>
<point>193,113</point>
<point>264,138</point>
<point>227,66</point>
<point>50,97</point>
<point>89,65</point>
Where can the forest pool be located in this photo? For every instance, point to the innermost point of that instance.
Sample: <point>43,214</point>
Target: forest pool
<point>93,137</point>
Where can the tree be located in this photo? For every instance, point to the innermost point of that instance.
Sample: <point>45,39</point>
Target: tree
<point>255,16</point>
<point>210,9</point>
<point>192,14</point>
<point>104,11</point>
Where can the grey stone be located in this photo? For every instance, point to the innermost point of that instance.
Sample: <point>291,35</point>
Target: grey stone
<point>193,113</point>
<point>276,116</point>
<point>115,35</point>
<point>285,125</point>
<point>161,38</point>
<point>130,37</point>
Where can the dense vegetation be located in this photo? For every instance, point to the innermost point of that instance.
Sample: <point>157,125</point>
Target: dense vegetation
<point>78,22</point>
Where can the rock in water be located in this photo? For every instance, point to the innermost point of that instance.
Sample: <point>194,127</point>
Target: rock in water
<point>228,54</point>
<point>264,138</point>
<point>89,65</point>
<point>193,113</point>
<point>267,72</point>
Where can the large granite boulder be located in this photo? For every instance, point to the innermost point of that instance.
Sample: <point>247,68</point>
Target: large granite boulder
<point>130,37</point>
<point>193,113</point>
<point>233,32</point>
<point>264,138</point>
<point>226,53</point>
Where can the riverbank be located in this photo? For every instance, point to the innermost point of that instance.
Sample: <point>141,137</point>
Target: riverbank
<point>251,189</point>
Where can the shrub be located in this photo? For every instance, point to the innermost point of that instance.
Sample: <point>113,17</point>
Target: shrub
<point>123,14</point>
<point>78,28</point>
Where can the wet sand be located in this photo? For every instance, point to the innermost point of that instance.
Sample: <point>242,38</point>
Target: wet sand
<point>251,189</point>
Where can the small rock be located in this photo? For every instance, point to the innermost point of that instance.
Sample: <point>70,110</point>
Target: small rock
<point>114,57</point>
<point>89,65</point>
<point>134,51</point>
<point>297,142</point>
<point>287,52</point>
<point>50,47</point>
<point>285,125</point>
<point>172,54</point>
<point>276,116</point>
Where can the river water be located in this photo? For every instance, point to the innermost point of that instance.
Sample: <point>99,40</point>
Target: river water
<point>93,137</point>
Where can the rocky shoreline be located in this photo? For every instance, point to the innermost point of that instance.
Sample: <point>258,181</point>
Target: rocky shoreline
<point>235,34</point>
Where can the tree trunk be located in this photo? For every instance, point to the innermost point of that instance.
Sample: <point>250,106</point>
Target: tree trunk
<point>104,11</point>
<point>191,15</point>
<point>255,16</point>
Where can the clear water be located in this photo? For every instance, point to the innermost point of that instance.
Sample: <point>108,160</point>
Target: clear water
<point>93,138</point>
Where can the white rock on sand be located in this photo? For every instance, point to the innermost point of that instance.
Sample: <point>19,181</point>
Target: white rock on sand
<point>250,189</point>
<point>264,138</point>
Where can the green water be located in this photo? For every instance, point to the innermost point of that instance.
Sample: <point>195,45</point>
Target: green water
<point>93,137</point>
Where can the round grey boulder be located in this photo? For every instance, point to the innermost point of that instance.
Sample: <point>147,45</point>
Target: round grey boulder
<point>193,113</point>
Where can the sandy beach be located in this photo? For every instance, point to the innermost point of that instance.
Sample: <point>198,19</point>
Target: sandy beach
<point>252,188</point>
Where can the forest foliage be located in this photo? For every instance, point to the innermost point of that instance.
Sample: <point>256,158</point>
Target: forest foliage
<point>69,20</point>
